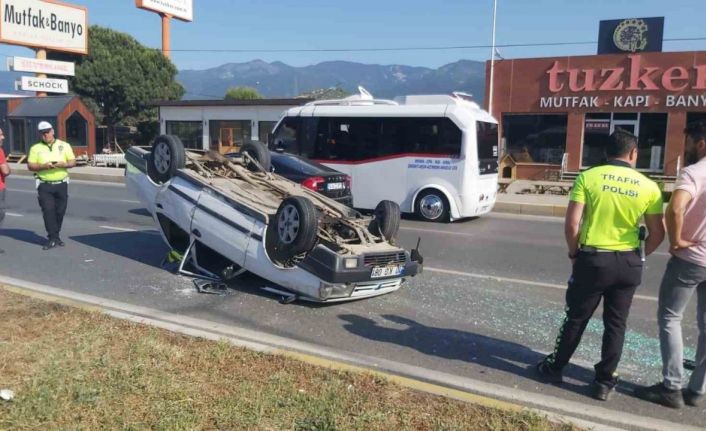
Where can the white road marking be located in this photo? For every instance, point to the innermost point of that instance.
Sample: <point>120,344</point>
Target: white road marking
<point>436,231</point>
<point>119,229</point>
<point>14,215</point>
<point>128,201</point>
<point>515,280</point>
<point>125,229</point>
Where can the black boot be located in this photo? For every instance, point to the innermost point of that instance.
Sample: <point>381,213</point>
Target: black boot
<point>602,389</point>
<point>547,374</point>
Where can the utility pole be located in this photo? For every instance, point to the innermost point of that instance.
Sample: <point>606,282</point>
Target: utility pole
<point>41,55</point>
<point>492,61</point>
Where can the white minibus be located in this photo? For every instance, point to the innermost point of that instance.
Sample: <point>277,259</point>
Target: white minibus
<point>435,155</point>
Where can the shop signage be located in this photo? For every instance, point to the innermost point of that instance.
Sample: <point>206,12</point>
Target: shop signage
<point>633,86</point>
<point>630,35</point>
<point>47,85</point>
<point>43,24</point>
<point>598,126</point>
<point>50,67</point>
<point>179,9</point>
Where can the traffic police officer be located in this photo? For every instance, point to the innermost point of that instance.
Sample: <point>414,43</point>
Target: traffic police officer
<point>604,250</point>
<point>50,160</point>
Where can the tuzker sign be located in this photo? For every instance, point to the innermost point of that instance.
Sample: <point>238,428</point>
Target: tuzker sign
<point>626,86</point>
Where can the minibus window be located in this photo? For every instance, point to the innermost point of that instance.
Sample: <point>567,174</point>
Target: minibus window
<point>487,135</point>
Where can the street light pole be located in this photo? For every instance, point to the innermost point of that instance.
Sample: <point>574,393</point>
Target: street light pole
<point>492,61</point>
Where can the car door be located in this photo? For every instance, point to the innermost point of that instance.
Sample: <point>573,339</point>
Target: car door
<point>176,201</point>
<point>223,225</point>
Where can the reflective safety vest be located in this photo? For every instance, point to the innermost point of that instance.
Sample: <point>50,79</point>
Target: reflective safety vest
<point>615,196</point>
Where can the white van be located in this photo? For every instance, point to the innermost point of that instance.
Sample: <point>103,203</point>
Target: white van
<point>435,156</point>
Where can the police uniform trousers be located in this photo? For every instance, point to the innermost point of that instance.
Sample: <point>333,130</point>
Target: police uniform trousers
<point>53,199</point>
<point>613,276</point>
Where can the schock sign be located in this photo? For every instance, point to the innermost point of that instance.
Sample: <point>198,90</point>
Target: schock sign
<point>44,24</point>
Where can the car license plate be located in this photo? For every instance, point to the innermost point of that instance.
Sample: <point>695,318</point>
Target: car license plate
<point>386,271</point>
<point>335,186</point>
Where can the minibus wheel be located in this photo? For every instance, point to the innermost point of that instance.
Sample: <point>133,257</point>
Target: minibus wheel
<point>386,220</point>
<point>260,153</point>
<point>166,158</point>
<point>432,206</point>
<point>296,226</point>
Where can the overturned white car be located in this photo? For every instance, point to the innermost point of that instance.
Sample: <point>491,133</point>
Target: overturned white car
<point>229,215</point>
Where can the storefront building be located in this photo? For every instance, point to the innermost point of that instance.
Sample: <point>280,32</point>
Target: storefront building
<point>73,122</point>
<point>556,113</point>
<point>222,125</point>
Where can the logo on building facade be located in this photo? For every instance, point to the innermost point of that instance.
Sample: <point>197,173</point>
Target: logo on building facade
<point>631,35</point>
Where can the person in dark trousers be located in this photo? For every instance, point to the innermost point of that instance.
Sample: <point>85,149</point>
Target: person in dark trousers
<point>685,274</point>
<point>606,205</point>
<point>50,160</point>
<point>4,172</point>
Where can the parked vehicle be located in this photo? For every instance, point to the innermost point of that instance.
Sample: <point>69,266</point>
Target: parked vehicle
<point>435,156</point>
<point>315,176</point>
<point>312,175</point>
<point>227,215</point>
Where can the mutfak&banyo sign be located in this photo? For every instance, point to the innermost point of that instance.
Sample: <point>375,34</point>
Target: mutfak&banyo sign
<point>44,24</point>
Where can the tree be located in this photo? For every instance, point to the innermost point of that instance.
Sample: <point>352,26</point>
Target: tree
<point>326,93</point>
<point>242,93</point>
<point>120,77</point>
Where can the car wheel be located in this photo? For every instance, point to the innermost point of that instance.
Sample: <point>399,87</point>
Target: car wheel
<point>297,226</point>
<point>260,153</point>
<point>386,220</point>
<point>166,158</point>
<point>432,206</point>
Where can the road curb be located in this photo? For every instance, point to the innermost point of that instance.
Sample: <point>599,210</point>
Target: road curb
<point>530,209</point>
<point>435,382</point>
<point>79,176</point>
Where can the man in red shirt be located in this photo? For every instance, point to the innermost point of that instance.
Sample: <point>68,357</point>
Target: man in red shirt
<point>4,171</point>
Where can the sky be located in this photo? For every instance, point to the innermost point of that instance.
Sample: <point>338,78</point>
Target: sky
<point>355,24</point>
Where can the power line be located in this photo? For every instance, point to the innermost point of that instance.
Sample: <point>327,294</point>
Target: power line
<point>420,48</point>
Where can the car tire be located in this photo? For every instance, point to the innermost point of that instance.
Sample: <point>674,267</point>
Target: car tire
<point>166,158</point>
<point>386,220</point>
<point>432,206</point>
<point>259,152</point>
<point>296,226</point>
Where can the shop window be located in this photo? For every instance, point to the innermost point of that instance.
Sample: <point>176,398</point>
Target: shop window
<point>18,137</point>
<point>535,138</point>
<point>229,135</point>
<point>189,132</point>
<point>651,138</point>
<point>692,117</point>
<point>595,138</point>
<point>77,130</point>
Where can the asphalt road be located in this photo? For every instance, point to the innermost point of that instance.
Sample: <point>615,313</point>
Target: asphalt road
<point>487,306</point>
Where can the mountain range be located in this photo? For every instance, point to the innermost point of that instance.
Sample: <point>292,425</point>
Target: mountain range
<point>279,80</point>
